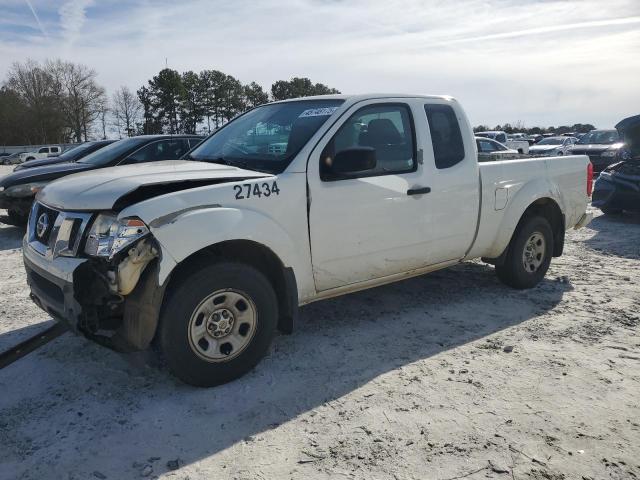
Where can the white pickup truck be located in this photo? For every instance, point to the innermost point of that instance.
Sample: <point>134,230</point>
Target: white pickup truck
<point>42,152</point>
<point>205,258</point>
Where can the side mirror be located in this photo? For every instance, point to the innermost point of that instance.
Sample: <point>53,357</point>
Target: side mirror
<point>353,160</point>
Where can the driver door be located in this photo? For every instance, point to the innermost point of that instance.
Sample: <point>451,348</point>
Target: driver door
<point>374,223</point>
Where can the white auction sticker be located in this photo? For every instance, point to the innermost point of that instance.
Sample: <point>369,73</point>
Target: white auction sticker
<point>318,112</point>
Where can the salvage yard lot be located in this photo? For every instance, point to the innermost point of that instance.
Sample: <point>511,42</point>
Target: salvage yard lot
<point>435,377</point>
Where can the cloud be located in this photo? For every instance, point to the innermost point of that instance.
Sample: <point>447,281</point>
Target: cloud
<point>557,61</point>
<point>35,15</point>
<point>72,17</point>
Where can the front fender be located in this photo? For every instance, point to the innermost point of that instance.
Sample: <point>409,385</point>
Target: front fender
<point>518,203</point>
<point>195,229</point>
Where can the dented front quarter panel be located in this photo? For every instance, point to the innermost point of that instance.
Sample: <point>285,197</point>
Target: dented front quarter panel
<point>187,221</point>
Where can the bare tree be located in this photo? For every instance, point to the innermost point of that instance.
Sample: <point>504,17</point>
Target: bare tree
<point>39,93</point>
<point>80,96</point>
<point>103,112</point>
<point>126,110</point>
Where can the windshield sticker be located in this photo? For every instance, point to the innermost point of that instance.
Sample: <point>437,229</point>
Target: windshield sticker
<point>318,112</point>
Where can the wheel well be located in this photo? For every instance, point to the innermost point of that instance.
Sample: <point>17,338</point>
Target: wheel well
<point>549,209</point>
<point>546,208</point>
<point>258,256</point>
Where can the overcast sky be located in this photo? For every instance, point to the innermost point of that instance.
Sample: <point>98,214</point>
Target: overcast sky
<point>541,62</point>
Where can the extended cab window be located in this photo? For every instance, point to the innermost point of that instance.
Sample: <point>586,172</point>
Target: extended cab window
<point>387,128</point>
<point>446,138</point>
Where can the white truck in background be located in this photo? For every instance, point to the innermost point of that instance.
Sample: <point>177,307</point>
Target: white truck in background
<point>207,257</point>
<point>520,145</point>
<point>40,153</point>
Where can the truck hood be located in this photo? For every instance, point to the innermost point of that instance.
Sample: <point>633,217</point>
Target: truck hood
<point>117,187</point>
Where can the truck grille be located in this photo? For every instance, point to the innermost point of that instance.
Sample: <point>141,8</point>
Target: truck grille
<point>52,232</point>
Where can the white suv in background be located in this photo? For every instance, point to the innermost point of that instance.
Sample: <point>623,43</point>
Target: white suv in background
<point>552,146</point>
<point>43,152</point>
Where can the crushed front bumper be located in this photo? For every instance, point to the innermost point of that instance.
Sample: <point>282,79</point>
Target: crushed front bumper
<point>52,284</point>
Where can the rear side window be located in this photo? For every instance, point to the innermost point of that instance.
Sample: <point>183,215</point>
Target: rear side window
<point>448,148</point>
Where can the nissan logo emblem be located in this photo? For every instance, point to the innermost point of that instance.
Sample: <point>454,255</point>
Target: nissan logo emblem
<point>42,225</point>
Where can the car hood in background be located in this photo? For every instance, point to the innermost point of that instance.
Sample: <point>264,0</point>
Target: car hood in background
<point>629,129</point>
<point>40,163</point>
<point>104,189</point>
<point>46,173</point>
<point>595,148</point>
<point>543,148</point>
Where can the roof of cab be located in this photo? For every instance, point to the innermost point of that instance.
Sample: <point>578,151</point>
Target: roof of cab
<point>366,96</point>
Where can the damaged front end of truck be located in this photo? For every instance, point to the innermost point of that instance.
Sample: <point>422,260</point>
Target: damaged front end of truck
<point>618,186</point>
<point>96,273</point>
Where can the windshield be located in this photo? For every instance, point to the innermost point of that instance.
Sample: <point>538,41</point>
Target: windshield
<point>268,137</point>
<point>551,141</point>
<point>112,152</point>
<point>76,152</point>
<point>602,137</point>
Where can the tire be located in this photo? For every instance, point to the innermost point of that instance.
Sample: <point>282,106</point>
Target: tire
<point>611,211</point>
<point>533,233</point>
<point>17,218</point>
<point>192,338</point>
<point>29,159</point>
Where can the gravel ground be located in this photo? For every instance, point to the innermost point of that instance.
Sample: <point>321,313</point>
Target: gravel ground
<point>446,376</point>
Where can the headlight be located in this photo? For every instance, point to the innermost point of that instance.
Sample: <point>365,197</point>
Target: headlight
<point>25,190</point>
<point>609,153</point>
<point>108,235</point>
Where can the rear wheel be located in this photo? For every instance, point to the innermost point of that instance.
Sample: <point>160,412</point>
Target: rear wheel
<point>218,323</point>
<point>529,254</point>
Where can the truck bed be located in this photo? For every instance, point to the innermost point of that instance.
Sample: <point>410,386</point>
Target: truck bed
<point>509,186</point>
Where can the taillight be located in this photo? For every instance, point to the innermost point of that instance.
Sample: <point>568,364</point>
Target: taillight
<point>589,179</point>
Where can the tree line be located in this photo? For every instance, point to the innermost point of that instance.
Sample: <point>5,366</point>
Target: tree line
<point>519,127</point>
<point>60,102</point>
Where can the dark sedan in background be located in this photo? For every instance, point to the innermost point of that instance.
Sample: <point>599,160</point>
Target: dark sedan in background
<point>72,155</point>
<point>18,189</point>
<point>601,146</point>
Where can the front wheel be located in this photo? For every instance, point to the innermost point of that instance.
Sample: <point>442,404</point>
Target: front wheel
<point>17,218</point>
<point>611,211</point>
<point>529,254</point>
<point>218,323</point>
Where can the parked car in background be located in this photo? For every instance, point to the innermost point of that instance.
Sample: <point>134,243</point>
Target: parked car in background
<point>42,152</point>
<point>521,146</point>
<point>18,189</point>
<point>553,146</point>
<point>618,186</point>
<point>490,151</point>
<point>72,155</point>
<point>602,147</point>
<point>210,257</point>
<point>12,159</point>
<point>534,138</point>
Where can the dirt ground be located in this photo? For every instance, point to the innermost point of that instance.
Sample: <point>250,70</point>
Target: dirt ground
<point>446,376</point>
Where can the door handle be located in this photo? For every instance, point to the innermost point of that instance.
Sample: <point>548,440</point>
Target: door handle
<point>418,190</point>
